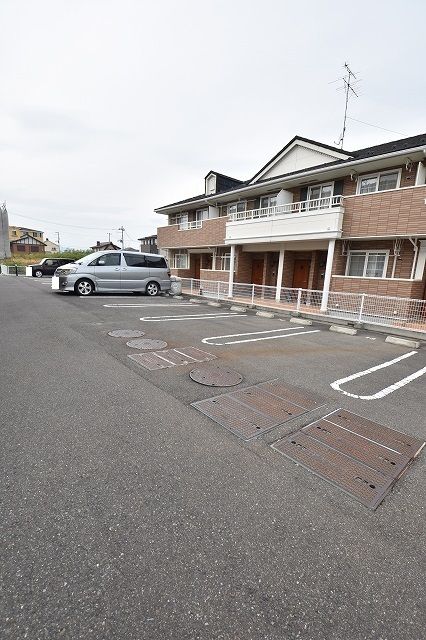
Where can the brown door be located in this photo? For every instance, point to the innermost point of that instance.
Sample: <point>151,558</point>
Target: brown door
<point>196,259</point>
<point>257,271</point>
<point>301,274</point>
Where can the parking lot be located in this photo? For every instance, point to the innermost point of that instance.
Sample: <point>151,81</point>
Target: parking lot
<point>128,513</point>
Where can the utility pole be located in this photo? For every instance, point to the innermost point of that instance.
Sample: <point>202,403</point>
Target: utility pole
<point>59,242</point>
<point>109,237</point>
<point>122,229</point>
<point>348,82</point>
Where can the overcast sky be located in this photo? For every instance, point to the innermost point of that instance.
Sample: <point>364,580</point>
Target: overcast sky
<point>110,108</point>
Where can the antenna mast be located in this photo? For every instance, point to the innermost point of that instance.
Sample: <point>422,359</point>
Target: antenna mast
<point>348,82</point>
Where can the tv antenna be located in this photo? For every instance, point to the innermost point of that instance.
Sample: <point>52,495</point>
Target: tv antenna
<point>349,79</point>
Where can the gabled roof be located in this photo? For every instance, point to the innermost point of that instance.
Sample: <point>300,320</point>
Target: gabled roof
<point>27,235</point>
<point>347,157</point>
<point>320,146</point>
<point>222,175</point>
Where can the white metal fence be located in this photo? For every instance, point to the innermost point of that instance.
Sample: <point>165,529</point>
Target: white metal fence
<point>357,307</point>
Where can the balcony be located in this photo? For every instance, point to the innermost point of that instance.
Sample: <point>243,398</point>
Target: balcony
<point>386,213</point>
<point>205,233</point>
<point>306,220</point>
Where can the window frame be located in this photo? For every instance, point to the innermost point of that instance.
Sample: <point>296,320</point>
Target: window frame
<point>175,266</point>
<point>321,185</point>
<point>377,175</point>
<point>269,205</point>
<point>235,204</point>
<point>366,253</point>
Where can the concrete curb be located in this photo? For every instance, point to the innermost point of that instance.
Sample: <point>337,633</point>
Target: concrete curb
<point>235,308</point>
<point>337,328</point>
<point>265,314</point>
<point>303,321</point>
<point>404,342</point>
<point>214,304</point>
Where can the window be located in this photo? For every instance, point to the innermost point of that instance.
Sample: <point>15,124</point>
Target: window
<point>107,260</point>
<point>367,264</point>
<point>155,262</point>
<point>320,191</point>
<point>180,261</point>
<point>201,214</point>
<point>224,262</point>
<point>133,260</point>
<point>379,182</point>
<point>268,201</point>
<point>236,207</point>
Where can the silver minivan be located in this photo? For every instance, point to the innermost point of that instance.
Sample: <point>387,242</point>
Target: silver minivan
<point>114,271</point>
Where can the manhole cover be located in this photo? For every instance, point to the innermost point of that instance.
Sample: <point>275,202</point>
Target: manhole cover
<point>126,333</point>
<point>360,456</point>
<point>145,343</point>
<point>216,376</point>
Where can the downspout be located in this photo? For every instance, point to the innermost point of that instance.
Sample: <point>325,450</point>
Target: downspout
<point>416,251</point>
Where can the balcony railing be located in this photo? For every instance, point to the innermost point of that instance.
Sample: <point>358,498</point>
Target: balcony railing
<point>304,206</point>
<point>195,224</point>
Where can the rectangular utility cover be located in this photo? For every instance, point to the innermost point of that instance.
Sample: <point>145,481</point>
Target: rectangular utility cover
<point>171,358</point>
<point>360,457</point>
<point>251,411</point>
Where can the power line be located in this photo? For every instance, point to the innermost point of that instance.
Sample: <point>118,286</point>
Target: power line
<point>376,126</point>
<point>62,224</point>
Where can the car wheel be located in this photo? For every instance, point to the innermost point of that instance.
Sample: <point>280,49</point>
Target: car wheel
<point>84,288</point>
<point>38,273</point>
<point>152,289</point>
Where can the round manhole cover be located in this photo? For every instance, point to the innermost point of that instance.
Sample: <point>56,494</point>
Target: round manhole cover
<point>216,376</point>
<point>147,344</point>
<point>126,333</point>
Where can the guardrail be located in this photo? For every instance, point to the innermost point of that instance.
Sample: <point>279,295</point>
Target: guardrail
<point>406,313</point>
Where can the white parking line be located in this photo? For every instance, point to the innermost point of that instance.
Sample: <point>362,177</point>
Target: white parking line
<point>387,390</point>
<point>152,304</point>
<point>198,316</point>
<point>253,333</point>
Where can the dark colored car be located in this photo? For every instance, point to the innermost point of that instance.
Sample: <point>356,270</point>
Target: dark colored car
<point>46,267</point>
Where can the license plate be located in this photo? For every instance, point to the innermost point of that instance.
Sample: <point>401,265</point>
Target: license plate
<point>55,283</point>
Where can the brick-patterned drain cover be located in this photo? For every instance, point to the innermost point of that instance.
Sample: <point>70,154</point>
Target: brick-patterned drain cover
<point>145,343</point>
<point>126,333</point>
<point>216,376</point>
<point>171,358</point>
<point>251,411</point>
<point>359,456</point>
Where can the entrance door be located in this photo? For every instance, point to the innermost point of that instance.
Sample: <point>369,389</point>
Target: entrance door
<point>257,271</point>
<point>301,274</point>
<point>196,259</point>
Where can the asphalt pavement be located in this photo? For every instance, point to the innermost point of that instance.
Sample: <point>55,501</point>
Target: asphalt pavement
<point>127,514</point>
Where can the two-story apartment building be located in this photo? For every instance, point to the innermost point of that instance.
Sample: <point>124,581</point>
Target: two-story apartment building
<point>314,217</point>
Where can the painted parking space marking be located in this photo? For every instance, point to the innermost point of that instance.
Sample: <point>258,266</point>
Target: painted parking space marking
<point>147,304</point>
<point>256,333</point>
<point>387,390</point>
<point>186,317</point>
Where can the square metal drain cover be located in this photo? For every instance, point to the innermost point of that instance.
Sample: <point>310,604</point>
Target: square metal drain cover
<point>251,411</point>
<point>362,457</point>
<point>171,358</point>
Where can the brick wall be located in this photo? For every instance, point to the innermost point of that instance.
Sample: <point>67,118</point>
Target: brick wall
<point>211,234</point>
<point>215,275</point>
<point>387,213</point>
<point>398,288</point>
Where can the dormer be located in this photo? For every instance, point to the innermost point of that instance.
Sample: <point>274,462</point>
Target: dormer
<point>210,183</point>
<point>299,154</point>
<point>217,182</point>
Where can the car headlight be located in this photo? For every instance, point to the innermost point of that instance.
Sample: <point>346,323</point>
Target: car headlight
<point>65,272</point>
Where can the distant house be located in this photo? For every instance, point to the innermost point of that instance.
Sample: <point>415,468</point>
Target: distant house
<point>17,232</point>
<point>51,247</point>
<point>27,244</point>
<point>149,244</point>
<point>130,249</point>
<point>104,246</point>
